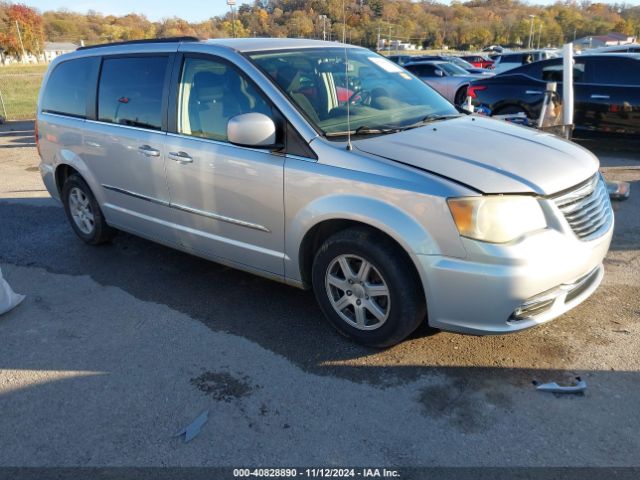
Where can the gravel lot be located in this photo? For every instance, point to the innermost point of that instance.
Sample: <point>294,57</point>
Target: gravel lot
<point>118,347</point>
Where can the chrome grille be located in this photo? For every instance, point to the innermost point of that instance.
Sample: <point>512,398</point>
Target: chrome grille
<point>587,208</point>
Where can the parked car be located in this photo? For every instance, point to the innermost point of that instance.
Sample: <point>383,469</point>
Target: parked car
<point>509,61</point>
<point>456,61</point>
<point>606,91</point>
<point>383,204</point>
<point>448,79</point>
<point>493,48</point>
<point>401,59</point>
<point>627,48</point>
<point>477,60</point>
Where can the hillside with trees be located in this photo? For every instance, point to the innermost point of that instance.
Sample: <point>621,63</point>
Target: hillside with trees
<point>462,25</point>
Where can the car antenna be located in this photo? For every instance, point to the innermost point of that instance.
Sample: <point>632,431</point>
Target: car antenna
<point>346,73</point>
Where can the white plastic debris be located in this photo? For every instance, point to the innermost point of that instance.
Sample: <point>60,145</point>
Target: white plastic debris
<point>553,387</point>
<point>8,298</point>
<point>193,429</point>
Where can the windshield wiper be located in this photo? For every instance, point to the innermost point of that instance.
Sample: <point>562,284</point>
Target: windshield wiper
<point>363,130</point>
<point>429,119</point>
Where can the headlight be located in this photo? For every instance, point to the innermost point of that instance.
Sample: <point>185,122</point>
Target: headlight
<point>496,218</point>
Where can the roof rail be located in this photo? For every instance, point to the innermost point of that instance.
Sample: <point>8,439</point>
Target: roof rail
<point>149,40</point>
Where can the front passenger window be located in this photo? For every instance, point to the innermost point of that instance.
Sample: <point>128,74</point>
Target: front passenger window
<point>211,93</point>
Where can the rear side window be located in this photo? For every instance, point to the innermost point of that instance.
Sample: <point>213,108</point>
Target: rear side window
<point>131,91</point>
<point>68,86</point>
<point>511,58</point>
<point>616,71</point>
<point>422,70</point>
<point>554,72</point>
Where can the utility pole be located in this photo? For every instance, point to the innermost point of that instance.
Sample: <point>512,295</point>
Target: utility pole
<point>531,32</point>
<point>378,43</point>
<point>231,3</point>
<point>539,35</point>
<point>24,54</point>
<point>389,38</point>
<point>324,27</point>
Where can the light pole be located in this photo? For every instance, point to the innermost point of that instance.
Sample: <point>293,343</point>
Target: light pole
<point>324,26</point>
<point>539,35</point>
<point>231,3</point>
<point>531,31</point>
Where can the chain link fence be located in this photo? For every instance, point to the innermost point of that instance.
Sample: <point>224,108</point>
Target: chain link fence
<point>19,87</point>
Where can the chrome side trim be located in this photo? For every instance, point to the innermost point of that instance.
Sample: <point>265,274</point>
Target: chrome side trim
<point>184,208</point>
<point>129,127</point>
<point>221,218</point>
<point>137,195</point>
<point>192,231</point>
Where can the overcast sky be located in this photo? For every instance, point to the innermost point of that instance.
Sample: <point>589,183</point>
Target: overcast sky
<point>192,10</point>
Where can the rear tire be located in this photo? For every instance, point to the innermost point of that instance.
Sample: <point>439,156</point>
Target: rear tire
<point>461,95</point>
<point>368,288</point>
<point>83,212</point>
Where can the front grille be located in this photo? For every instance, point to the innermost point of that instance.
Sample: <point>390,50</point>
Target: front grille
<point>587,208</point>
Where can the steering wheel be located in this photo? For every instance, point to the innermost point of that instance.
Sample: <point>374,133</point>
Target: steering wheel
<point>361,97</point>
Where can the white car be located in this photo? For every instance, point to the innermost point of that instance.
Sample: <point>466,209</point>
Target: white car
<point>516,59</point>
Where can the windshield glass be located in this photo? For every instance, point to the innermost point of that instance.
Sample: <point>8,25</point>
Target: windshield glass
<point>460,62</point>
<point>380,94</point>
<point>452,69</point>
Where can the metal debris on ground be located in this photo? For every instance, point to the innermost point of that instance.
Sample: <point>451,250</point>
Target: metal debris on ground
<point>8,298</point>
<point>618,190</point>
<point>190,431</point>
<point>553,387</point>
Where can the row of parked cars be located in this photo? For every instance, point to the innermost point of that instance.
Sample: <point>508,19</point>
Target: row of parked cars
<point>606,84</point>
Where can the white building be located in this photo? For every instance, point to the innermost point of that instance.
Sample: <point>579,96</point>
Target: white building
<point>55,49</point>
<point>50,51</point>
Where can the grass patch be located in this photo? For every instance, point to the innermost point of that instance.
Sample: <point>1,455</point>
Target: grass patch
<point>19,85</point>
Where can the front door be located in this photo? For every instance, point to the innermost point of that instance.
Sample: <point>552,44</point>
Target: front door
<point>227,200</point>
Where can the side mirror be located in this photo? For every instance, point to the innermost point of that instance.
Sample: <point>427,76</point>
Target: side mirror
<point>252,130</point>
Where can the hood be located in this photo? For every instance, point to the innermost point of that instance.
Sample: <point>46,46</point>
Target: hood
<point>491,156</point>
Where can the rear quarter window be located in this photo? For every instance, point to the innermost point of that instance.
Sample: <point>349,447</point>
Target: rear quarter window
<point>616,71</point>
<point>68,86</point>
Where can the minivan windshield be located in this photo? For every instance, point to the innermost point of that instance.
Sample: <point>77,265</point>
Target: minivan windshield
<point>381,97</point>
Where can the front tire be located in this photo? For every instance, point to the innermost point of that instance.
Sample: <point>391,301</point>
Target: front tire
<point>367,288</point>
<point>83,212</point>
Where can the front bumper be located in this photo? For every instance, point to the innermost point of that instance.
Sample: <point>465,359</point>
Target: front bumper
<point>480,294</point>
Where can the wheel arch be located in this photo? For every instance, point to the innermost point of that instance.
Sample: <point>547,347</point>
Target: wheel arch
<point>405,232</point>
<point>70,164</point>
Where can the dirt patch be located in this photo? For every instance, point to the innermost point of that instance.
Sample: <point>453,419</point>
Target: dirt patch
<point>464,404</point>
<point>222,386</point>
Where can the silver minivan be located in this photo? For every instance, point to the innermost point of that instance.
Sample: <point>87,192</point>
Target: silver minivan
<point>325,166</point>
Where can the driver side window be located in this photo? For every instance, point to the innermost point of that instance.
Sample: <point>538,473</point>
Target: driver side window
<point>210,94</point>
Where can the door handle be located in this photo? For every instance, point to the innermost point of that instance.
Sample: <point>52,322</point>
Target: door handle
<point>148,151</point>
<point>595,96</point>
<point>533,92</point>
<point>181,157</point>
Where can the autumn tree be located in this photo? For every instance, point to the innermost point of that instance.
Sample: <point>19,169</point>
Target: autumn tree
<point>24,29</point>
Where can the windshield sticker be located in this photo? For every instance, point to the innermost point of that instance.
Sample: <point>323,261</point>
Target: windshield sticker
<point>386,64</point>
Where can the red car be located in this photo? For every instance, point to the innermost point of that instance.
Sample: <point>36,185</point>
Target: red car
<point>479,61</point>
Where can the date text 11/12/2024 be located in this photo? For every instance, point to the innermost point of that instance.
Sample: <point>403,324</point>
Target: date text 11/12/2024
<point>316,472</point>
